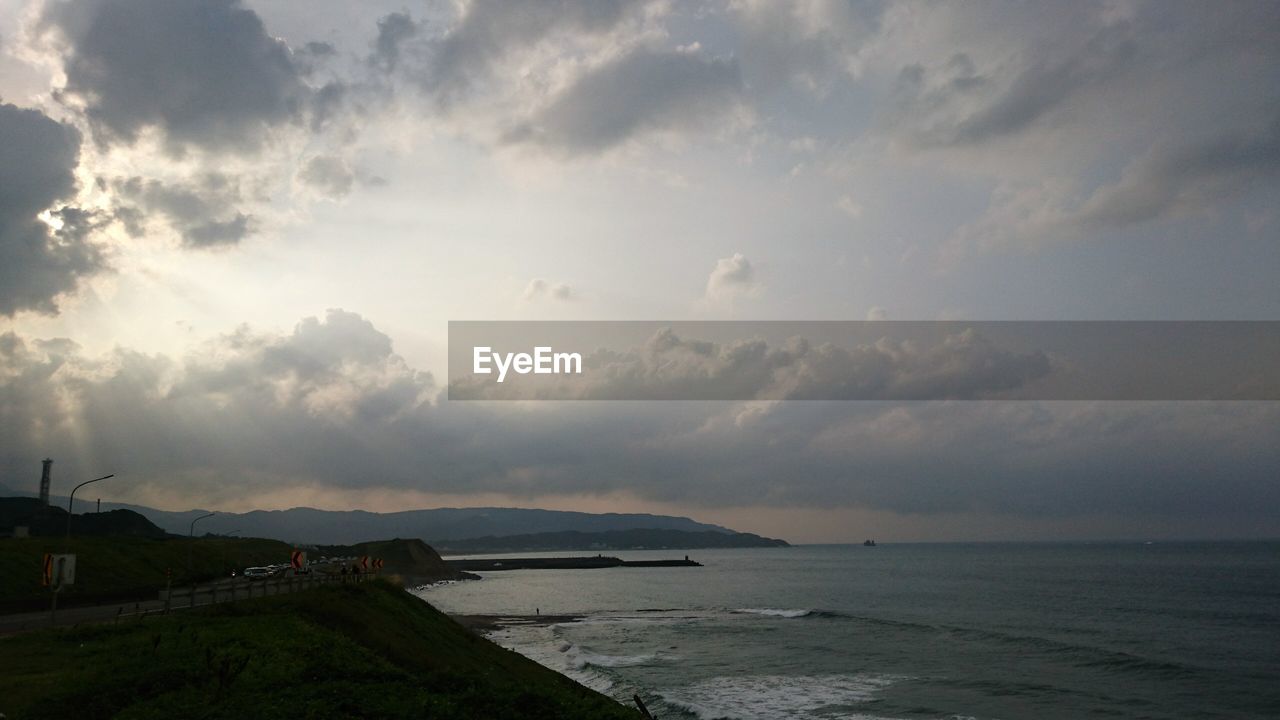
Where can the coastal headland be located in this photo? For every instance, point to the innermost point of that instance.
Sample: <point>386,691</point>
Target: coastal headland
<point>348,650</point>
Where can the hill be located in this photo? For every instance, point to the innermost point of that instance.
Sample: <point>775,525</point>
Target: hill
<point>345,527</point>
<point>610,540</point>
<point>52,521</point>
<point>369,650</point>
<point>413,559</point>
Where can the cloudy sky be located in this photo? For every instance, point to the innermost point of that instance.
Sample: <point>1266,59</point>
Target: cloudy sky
<point>232,235</point>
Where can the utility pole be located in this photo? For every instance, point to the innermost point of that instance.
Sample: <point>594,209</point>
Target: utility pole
<point>191,543</point>
<point>72,500</point>
<point>53,608</point>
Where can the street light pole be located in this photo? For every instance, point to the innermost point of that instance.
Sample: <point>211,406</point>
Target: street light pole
<point>191,542</point>
<point>53,607</point>
<point>71,501</point>
<point>192,530</point>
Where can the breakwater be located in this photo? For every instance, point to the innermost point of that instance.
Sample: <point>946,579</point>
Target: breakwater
<point>562,563</point>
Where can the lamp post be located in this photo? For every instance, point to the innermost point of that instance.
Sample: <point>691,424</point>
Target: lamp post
<point>71,501</point>
<point>53,607</point>
<point>191,542</point>
<point>191,532</point>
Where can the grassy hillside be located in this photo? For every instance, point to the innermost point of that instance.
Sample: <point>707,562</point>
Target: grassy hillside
<point>123,568</point>
<point>42,521</point>
<point>412,559</point>
<point>369,650</point>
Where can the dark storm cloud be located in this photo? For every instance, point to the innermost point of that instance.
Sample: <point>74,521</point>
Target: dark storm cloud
<point>644,90</point>
<point>331,405</point>
<point>393,30</point>
<point>489,30</point>
<point>329,175</point>
<point>641,89</point>
<point>205,73</point>
<point>804,45</point>
<point>329,393</point>
<point>38,157</point>
<point>956,105</point>
<point>1107,67</point>
<point>1177,177</point>
<point>203,212</point>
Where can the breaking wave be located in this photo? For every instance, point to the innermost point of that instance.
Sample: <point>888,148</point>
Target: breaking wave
<point>777,697</point>
<point>776,612</point>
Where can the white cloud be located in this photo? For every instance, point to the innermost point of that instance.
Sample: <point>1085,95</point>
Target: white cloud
<point>731,277</point>
<point>539,288</point>
<point>849,206</point>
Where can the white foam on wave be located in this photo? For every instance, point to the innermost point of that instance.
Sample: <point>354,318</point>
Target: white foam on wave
<point>542,645</point>
<point>583,658</point>
<point>651,617</point>
<point>775,612</point>
<point>777,697</point>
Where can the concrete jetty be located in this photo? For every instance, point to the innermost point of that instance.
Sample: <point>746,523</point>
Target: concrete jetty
<point>562,563</point>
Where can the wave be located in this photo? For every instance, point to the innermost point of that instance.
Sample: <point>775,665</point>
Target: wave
<point>1086,655</point>
<point>583,658</point>
<point>777,697</point>
<point>545,647</point>
<point>776,612</point>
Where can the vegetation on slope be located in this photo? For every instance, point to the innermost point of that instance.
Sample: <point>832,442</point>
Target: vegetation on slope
<point>369,650</point>
<point>41,521</point>
<point>113,569</point>
<point>412,559</point>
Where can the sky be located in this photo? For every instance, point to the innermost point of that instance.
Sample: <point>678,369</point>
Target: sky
<point>232,235</point>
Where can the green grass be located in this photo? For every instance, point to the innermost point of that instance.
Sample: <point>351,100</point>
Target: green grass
<point>359,651</point>
<point>123,568</point>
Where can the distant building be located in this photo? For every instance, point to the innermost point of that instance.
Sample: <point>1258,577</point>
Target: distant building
<point>46,476</point>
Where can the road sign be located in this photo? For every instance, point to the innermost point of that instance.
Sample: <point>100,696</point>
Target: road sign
<point>377,563</point>
<point>364,563</point>
<point>58,570</point>
<point>298,559</point>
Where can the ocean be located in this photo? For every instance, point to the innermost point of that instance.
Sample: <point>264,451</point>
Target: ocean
<point>985,631</point>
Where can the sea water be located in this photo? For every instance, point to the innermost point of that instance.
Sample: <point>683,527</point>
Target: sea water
<point>1125,630</point>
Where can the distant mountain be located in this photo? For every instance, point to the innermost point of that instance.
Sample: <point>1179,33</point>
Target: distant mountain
<point>638,539</point>
<point>347,527</point>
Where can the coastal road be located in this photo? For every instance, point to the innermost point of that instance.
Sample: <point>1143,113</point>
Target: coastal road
<point>181,598</point>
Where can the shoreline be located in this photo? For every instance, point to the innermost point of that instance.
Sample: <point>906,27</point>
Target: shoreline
<point>487,623</point>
